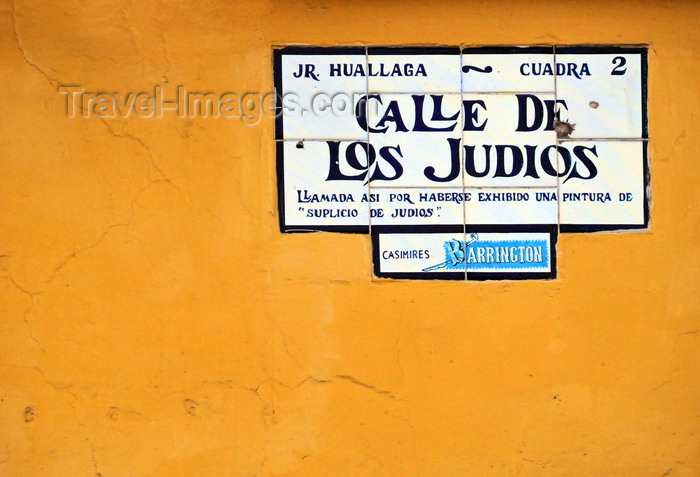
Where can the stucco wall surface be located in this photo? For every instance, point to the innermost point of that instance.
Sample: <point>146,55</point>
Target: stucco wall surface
<point>155,322</point>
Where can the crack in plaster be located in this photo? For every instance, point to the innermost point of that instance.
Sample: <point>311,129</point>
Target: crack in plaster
<point>353,380</point>
<point>165,75</point>
<point>124,17</point>
<point>66,388</point>
<point>56,271</point>
<point>114,412</point>
<point>94,463</point>
<point>163,177</point>
<point>125,135</point>
<point>103,236</point>
<point>31,295</point>
<point>74,254</point>
<point>54,83</point>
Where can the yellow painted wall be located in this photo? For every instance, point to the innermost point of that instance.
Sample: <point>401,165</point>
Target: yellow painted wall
<point>154,321</point>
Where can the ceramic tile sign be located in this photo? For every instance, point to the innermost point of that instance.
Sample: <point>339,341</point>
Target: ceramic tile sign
<point>412,144</point>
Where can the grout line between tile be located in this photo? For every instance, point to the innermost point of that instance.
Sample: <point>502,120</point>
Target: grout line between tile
<point>556,96</point>
<point>419,92</point>
<point>604,139</point>
<point>511,92</point>
<point>297,140</point>
<point>369,186</point>
<point>461,158</point>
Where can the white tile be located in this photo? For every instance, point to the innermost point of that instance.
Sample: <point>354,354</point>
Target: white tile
<point>497,69</point>
<point>599,103</point>
<point>410,150</point>
<point>511,206</point>
<point>322,103</point>
<point>420,253</point>
<point>422,206</point>
<point>319,192</point>
<point>413,70</point>
<point>509,140</point>
<point>597,193</point>
<point>510,254</point>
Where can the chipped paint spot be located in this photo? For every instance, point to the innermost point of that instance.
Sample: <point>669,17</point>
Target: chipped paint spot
<point>563,128</point>
<point>190,406</point>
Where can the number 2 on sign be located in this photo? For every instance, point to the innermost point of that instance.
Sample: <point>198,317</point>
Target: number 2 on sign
<point>619,62</point>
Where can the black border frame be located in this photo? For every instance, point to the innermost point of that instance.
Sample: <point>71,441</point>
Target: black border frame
<point>413,50</point>
<point>506,49</point>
